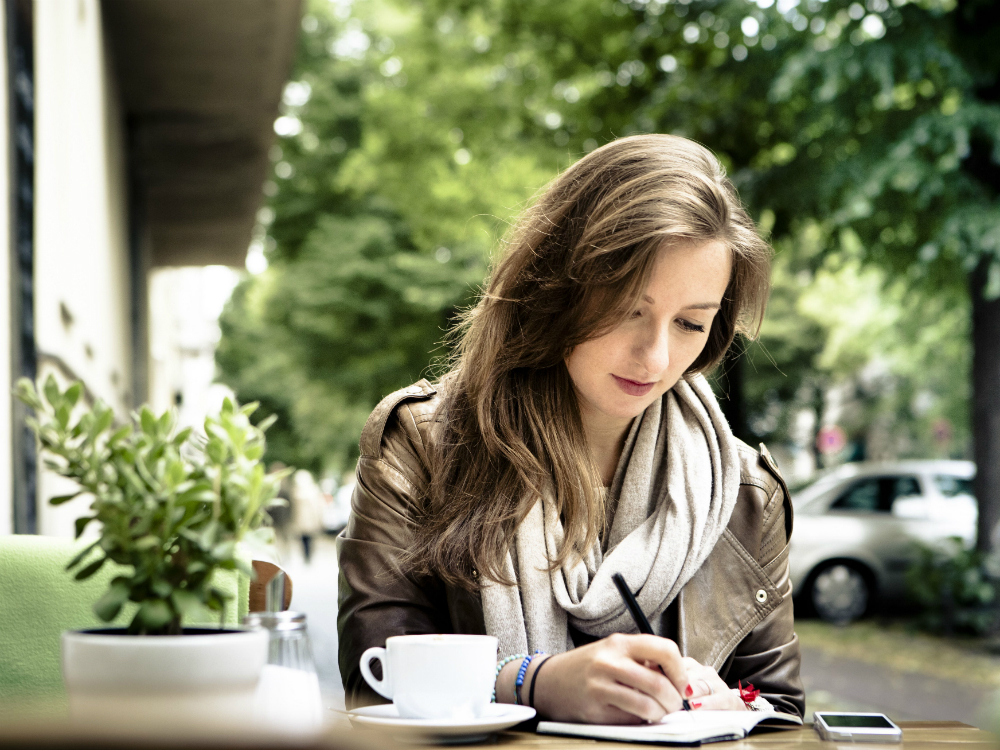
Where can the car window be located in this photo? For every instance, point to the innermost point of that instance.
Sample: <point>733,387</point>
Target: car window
<point>905,487</point>
<point>876,494</point>
<point>863,495</point>
<point>951,486</point>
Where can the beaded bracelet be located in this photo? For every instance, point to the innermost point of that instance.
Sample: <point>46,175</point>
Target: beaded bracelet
<point>500,665</point>
<point>519,682</point>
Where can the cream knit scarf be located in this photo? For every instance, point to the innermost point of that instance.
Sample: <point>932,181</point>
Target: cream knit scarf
<point>676,485</point>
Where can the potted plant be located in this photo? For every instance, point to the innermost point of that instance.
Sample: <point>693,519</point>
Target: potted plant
<point>170,507</point>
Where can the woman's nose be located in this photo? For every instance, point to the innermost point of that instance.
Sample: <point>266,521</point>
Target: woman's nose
<point>655,353</point>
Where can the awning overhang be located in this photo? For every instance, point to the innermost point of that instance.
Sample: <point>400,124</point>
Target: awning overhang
<point>200,84</point>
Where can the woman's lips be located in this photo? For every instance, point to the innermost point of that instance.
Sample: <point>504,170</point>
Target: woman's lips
<point>632,387</point>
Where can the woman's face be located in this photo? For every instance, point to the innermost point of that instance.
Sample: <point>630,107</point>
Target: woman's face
<point>619,374</point>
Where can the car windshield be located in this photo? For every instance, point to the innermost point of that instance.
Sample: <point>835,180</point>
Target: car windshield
<point>818,487</point>
<point>952,486</point>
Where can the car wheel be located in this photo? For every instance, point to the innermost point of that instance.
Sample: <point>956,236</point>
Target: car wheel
<point>839,593</point>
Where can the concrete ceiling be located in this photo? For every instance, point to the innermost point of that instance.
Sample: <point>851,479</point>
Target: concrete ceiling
<point>200,83</point>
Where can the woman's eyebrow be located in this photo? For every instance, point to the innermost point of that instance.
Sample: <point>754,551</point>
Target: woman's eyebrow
<point>703,306</point>
<point>695,306</point>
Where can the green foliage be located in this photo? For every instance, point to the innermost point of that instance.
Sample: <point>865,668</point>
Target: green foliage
<point>171,505</point>
<point>858,134</point>
<point>956,587</point>
<point>901,357</point>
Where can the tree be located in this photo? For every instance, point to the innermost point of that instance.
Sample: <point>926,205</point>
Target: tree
<point>880,120</point>
<point>414,132</point>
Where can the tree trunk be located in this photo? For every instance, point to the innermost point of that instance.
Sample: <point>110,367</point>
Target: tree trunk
<point>985,404</point>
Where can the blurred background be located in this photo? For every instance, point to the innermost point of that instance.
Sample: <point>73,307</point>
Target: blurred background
<point>291,201</point>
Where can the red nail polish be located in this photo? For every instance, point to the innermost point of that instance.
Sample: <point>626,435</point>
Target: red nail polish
<point>696,705</point>
<point>689,691</point>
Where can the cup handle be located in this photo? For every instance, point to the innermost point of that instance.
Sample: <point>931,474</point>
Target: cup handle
<point>380,686</point>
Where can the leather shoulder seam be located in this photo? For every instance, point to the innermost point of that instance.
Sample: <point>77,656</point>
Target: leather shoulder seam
<point>371,436</point>
<point>395,470</point>
<point>771,506</point>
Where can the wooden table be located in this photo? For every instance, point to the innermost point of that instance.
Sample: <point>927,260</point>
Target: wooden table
<point>917,735</point>
<point>920,735</point>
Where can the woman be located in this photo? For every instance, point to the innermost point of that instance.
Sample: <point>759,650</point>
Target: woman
<point>575,437</point>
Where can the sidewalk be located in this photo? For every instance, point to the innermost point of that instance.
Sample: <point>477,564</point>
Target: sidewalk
<point>315,593</point>
<point>906,675</point>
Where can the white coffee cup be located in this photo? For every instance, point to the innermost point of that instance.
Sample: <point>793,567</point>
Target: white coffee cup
<point>435,676</point>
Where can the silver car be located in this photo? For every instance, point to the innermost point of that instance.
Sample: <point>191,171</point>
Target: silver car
<point>857,529</point>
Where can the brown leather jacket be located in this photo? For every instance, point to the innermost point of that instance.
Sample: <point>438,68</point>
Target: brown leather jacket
<point>735,614</point>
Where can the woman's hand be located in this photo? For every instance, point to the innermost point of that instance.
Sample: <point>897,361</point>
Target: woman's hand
<point>613,681</point>
<point>710,692</point>
<point>617,681</point>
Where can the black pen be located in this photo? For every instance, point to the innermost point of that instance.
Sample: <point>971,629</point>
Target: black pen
<point>640,619</point>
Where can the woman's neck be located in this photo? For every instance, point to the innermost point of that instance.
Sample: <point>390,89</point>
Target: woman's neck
<point>606,443</point>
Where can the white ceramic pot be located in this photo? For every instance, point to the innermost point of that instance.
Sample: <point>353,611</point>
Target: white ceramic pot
<point>205,678</point>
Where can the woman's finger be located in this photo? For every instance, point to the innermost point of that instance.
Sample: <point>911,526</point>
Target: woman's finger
<point>647,680</point>
<point>704,680</point>
<point>702,687</point>
<point>634,702</point>
<point>664,653</point>
<point>722,700</point>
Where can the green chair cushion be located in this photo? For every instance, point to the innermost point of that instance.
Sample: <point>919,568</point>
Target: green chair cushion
<point>39,599</point>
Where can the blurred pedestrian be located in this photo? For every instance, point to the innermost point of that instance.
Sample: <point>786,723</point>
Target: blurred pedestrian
<point>281,515</point>
<point>307,509</point>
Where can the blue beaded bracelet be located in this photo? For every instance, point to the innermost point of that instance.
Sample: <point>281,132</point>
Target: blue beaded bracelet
<point>500,665</point>
<point>519,683</point>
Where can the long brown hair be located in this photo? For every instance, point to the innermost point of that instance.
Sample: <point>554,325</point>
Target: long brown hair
<point>576,263</point>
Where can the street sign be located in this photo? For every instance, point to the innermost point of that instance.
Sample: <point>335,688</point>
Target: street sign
<point>831,439</point>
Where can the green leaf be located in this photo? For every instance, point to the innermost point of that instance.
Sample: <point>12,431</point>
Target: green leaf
<point>215,451</point>
<point>161,588</point>
<point>26,393</point>
<point>60,499</point>
<point>224,550</point>
<point>219,596</point>
<point>147,420</point>
<point>186,602</point>
<point>120,434</point>
<point>51,390</point>
<point>72,394</point>
<point>266,422</point>
<point>103,421</point>
<point>166,422</point>
<point>109,605</point>
<point>181,437</point>
<point>147,542</point>
<point>155,614</point>
<point>90,569</point>
<point>78,557</point>
<point>81,523</point>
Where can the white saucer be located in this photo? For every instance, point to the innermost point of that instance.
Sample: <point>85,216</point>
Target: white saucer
<point>497,716</point>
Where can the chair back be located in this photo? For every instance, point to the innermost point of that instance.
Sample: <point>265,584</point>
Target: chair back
<point>39,599</point>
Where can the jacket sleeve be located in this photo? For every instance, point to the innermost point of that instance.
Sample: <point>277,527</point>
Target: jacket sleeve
<point>768,656</point>
<point>376,598</point>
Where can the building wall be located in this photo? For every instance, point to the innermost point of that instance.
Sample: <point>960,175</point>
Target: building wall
<point>6,247</point>
<point>82,281</point>
<point>184,308</point>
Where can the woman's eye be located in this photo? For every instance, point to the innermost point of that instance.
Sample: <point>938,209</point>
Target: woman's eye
<point>635,314</point>
<point>687,325</point>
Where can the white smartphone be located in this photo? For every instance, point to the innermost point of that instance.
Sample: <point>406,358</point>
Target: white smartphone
<point>850,727</point>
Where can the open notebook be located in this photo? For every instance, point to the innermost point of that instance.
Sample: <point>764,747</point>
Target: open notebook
<point>680,727</point>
